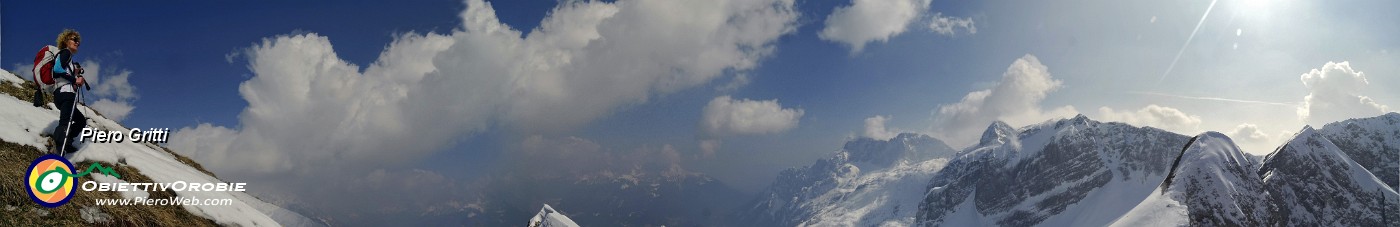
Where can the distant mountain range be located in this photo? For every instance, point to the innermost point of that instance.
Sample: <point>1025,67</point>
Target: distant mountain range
<point>1081,172</point>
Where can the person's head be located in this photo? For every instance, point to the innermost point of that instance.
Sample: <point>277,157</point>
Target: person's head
<point>69,39</point>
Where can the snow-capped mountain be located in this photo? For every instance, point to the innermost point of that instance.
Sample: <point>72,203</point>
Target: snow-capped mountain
<point>867,183</point>
<point>1070,172</point>
<point>548,217</point>
<point>23,125</point>
<point>1374,143</point>
<point>1314,183</point>
<point>1212,183</point>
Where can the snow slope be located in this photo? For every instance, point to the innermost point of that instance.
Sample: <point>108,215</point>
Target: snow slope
<point>548,217</point>
<point>1373,142</point>
<point>1212,184</point>
<point>868,183</point>
<point>1313,183</point>
<point>24,123</point>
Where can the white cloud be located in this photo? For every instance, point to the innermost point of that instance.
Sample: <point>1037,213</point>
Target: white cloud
<point>23,71</point>
<point>1161,117</point>
<point>948,26</point>
<point>112,89</point>
<point>1015,99</point>
<point>311,112</point>
<point>109,83</point>
<point>875,128</point>
<point>1249,133</point>
<point>726,116</point>
<point>867,21</point>
<point>708,148</point>
<point>117,111</point>
<point>197,142</point>
<point>739,81</point>
<point>1335,94</point>
<point>1254,140</point>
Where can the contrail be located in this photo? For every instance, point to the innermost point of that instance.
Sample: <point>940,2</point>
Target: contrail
<point>1215,99</point>
<point>1188,41</point>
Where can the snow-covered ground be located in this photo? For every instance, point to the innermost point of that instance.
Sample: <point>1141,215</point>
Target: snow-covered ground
<point>888,197</point>
<point>23,124</point>
<point>1157,210</point>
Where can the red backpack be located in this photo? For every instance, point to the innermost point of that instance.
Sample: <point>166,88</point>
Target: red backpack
<point>43,66</point>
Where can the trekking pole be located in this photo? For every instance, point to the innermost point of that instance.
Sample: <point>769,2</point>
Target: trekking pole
<point>63,145</point>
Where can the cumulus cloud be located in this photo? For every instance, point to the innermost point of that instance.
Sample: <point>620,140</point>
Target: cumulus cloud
<point>708,148</point>
<point>311,113</point>
<point>114,94</point>
<point>867,21</point>
<point>117,111</point>
<point>948,26</point>
<point>308,107</point>
<point>1336,92</point>
<point>1249,133</point>
<point>739,81</point>
<point>726,116</point>
<point>22,70</point>
<point>1162,117</point>
<point>1015,100</point>
<point>875,128</point>
<point>111,87</point>
<point>1254,140</point>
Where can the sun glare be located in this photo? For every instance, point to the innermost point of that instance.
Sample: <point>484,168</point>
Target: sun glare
<point>1254,8</point>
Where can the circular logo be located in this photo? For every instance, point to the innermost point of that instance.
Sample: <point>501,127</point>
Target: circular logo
<point>49,181</point>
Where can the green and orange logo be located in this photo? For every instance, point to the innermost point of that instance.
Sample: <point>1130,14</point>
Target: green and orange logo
<point>48,181</point>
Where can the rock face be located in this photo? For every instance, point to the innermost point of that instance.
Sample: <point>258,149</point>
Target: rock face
<point>1314,183</point>
<point>1374,143</point>
<point>1071,172</point>
<point>869,182</point>
<point>1212,183</point>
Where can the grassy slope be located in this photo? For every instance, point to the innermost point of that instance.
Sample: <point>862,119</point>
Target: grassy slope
<point>17,209</point>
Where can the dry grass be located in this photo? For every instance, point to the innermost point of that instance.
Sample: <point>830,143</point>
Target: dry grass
<point>19,210</point>
<point>23,92</point>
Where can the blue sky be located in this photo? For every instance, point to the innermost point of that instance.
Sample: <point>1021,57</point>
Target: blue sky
<point>1036,61</point>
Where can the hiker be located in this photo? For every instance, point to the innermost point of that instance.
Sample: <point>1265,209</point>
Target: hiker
<point>67,76</point>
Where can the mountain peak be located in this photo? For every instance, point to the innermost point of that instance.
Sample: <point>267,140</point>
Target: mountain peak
<point>1315,182</point>
<point>1080,117</point>
<point>998,132</point>
<point>1213,185</point>
<point>1213,134</point>
<point>909,136</point>
<point>1209,150</point>
<point>1307,129</point>
<point>548,217</point>
<point>912,147</point>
